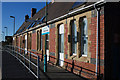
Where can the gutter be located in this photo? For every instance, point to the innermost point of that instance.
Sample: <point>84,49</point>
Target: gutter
<point>65,16</point>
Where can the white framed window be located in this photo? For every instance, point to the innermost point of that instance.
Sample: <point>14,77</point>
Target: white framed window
<point>74,37</point>
<point>84,37</point>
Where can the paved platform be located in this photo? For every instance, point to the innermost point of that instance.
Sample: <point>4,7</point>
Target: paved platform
<point>12,68</point>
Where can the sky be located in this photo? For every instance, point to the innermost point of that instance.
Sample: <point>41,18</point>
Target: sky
<point>19,10</point>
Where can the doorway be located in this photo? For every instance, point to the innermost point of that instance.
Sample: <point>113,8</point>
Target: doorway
<point>61,45</point>
<point>47,46</point>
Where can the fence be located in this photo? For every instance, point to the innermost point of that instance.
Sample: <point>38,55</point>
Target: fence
<point>20,54</point>
<point>17,52</point>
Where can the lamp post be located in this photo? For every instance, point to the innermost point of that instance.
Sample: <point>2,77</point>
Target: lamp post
<point>14,24</point>
<point>45,55</point>
<point>6,31</point>
<point>13,32</point>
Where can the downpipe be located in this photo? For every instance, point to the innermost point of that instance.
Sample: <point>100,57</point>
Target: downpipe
<point>98,42</point>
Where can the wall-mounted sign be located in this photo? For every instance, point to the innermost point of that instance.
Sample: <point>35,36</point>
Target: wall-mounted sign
<point>45,30</point>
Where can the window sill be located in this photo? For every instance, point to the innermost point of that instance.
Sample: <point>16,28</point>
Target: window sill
<point>73,56</point>
<point>83,58</point>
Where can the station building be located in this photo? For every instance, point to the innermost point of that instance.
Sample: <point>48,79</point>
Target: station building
<point>77,36</point>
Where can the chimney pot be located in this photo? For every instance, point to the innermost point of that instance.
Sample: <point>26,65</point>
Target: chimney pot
<point>33,12</point>
<point>26,17</point>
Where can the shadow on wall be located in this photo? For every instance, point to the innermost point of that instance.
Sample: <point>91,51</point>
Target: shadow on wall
<point>71,67</point>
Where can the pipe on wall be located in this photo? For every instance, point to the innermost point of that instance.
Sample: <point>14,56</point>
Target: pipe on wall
<point>98,40</point>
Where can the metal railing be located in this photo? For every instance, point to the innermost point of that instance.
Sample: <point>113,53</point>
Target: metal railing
<point>18,52</point>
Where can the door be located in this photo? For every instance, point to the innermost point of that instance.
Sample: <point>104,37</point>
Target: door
<point>61,45</point>
<point>25,44</point>
<point>47,46</point>
<point>84,37</point>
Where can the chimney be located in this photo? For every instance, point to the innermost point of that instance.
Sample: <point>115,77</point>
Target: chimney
<point>26,17</point>
<point>33,12</point>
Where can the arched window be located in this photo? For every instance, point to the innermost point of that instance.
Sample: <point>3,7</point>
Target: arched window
<point>73,37</point>
<point>29,40</point>
<point>84,36</point>
<point>39,40</point>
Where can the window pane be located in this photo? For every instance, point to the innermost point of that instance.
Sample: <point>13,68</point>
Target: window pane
<point>74,37</point>
<point>84,36</point>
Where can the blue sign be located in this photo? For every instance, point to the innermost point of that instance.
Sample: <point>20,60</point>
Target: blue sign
<point>45,30</point>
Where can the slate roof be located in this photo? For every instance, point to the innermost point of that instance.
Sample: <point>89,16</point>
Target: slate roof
<point>55,10</point>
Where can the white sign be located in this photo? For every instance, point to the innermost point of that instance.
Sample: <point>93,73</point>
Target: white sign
<point>45,30</point>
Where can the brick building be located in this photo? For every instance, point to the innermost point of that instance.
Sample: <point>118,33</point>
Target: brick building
<point>79,36</point>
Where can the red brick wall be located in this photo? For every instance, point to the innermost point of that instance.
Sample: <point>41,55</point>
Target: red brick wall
<point>52,37</point>
<point>66,39</point>
<point>18,41</point>
<point>52,59</point>
<point>34,46</point>
<point>90,66</point>
<point>93,38</point>
<point>43,43</point>
<point>52,43</point>
<point>23,42</point>
<point>102,37</point>
<point>84,67</point>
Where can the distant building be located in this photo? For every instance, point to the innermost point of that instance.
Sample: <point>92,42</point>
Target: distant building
<point>8,39</point>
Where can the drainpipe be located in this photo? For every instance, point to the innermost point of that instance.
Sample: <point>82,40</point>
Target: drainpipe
<point>98,40</point>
